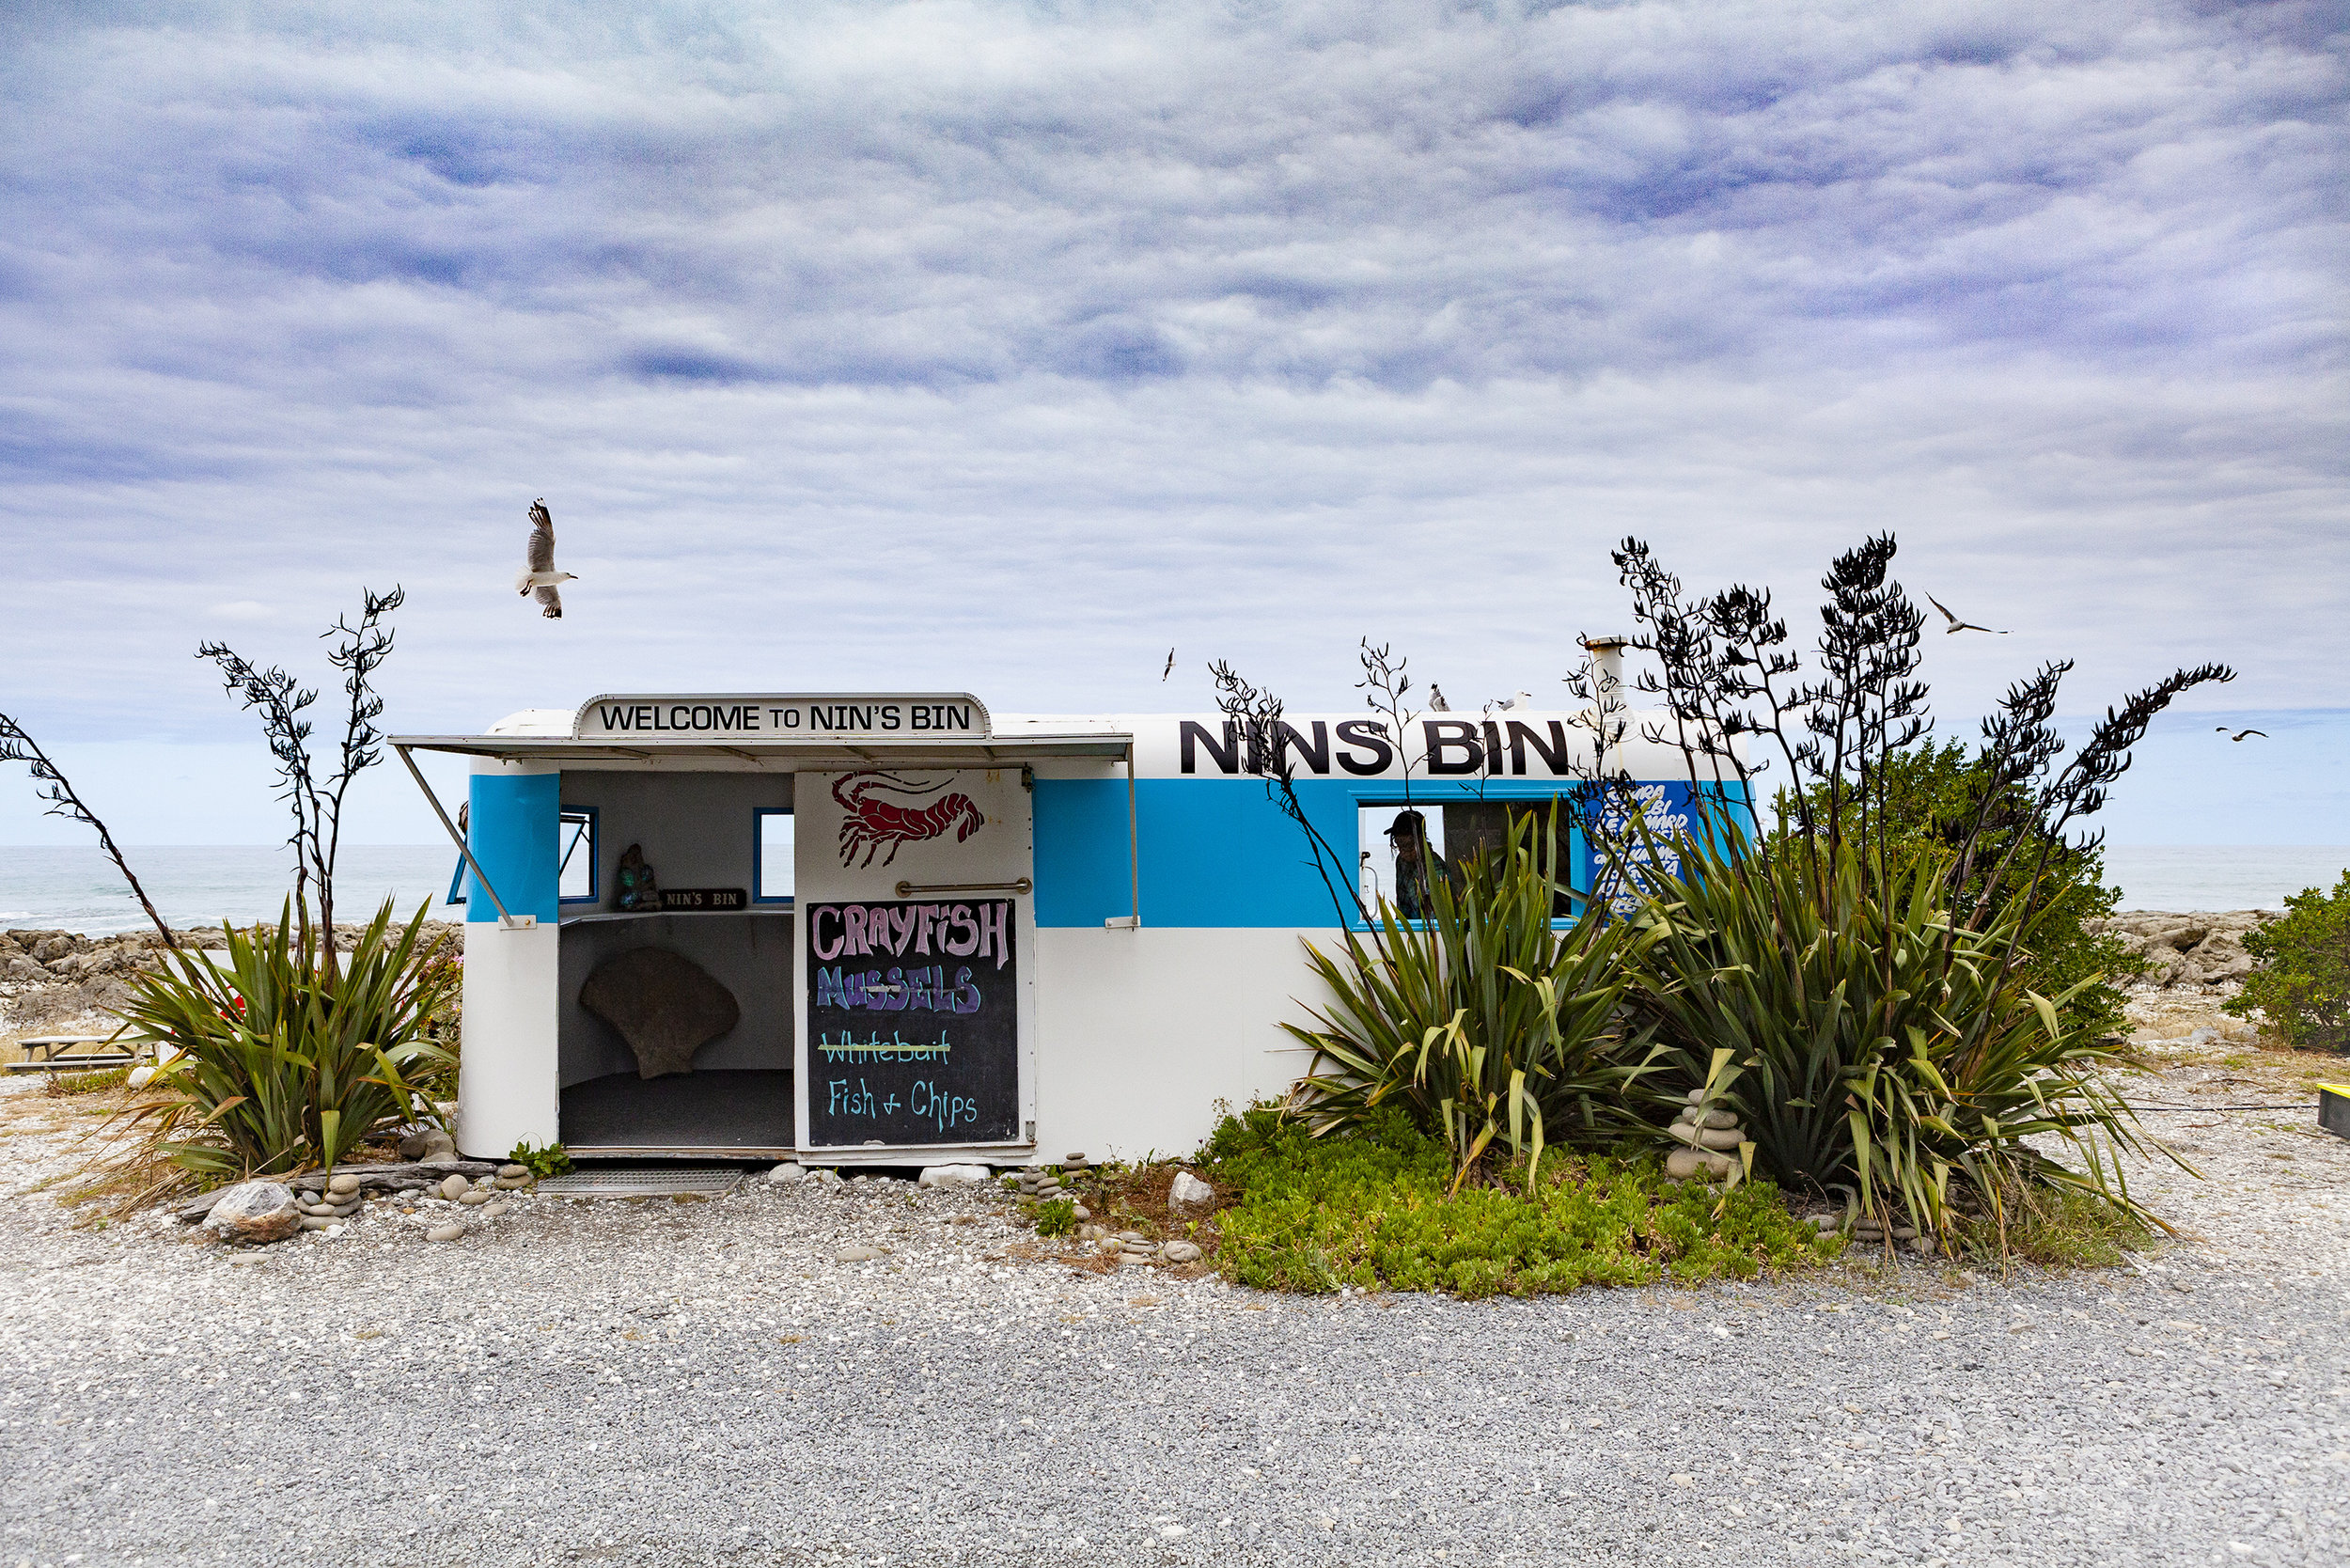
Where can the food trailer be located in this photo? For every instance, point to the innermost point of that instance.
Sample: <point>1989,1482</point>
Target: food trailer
<point>894,928</point>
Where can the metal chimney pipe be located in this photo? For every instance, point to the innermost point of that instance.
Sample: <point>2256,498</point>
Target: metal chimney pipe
<point>1606,686</point>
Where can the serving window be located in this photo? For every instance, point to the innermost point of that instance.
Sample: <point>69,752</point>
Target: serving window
<point>1402,844</point>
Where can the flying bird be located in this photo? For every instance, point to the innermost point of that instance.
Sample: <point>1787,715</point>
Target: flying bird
<point>1956,624</point>
<point>1170,665</point>
<point>1436,698</point>
<point>539,555</point>
<point>2241,733</point>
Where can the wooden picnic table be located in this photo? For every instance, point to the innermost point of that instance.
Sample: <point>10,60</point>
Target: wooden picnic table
<point>54,1053</point>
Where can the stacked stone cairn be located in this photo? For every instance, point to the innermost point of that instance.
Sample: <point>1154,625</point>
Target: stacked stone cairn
<point>480,1196</point>
<point>1710,1137</point>
<point>273,1210</point>
<point>1868,1230</point>
<point>1042,1185</point>
<point>340,1199</point>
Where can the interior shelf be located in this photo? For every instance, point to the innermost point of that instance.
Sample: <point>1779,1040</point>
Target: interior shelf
<point>771,912</point>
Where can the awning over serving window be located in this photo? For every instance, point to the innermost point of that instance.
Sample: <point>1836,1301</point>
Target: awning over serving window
<point>812,753</point>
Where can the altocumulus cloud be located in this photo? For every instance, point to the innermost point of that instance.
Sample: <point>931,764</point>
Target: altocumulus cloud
<point>1002,346</point>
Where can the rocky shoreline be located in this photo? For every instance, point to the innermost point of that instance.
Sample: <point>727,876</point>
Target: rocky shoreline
<point>64,980</point>
<point>2187,948</point>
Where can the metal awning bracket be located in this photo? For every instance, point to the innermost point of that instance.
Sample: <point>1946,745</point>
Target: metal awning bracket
<point>506,921</point>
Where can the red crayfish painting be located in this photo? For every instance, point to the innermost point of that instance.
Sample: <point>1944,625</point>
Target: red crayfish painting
<point>873,823</point>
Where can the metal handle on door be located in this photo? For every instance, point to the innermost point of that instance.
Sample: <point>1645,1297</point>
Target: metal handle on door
<point>907,889</point>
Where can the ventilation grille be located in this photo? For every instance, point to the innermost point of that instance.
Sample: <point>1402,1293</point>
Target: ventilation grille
<point>641,1183</point>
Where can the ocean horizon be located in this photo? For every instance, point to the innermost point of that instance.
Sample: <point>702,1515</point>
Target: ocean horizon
<point>75,888</point>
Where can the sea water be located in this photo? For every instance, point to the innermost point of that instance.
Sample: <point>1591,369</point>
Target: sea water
<point>76,889</point>
<point>72,887</point>
<point>2221,876</point>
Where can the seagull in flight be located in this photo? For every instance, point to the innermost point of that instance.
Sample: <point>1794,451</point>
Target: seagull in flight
<point>1436,698</point>
<point>1170,667</point>
<point>538,556</point>
<point>1956,624</point>
<point>2241,733</point>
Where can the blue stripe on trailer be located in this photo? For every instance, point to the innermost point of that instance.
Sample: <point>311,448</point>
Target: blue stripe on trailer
<point>1216,853</point>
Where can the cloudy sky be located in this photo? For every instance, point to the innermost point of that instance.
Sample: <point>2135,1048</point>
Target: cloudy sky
<point>999,347</point>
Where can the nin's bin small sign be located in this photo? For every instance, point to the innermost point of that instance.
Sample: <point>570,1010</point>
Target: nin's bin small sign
<point>690,900</point>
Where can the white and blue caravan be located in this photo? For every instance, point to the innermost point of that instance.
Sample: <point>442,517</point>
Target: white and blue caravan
<point>893,927</point>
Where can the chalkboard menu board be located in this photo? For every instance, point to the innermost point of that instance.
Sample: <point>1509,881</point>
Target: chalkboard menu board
<point>914,1022</point>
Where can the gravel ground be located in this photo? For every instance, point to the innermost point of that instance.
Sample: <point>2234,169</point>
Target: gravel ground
<point>690,1383</point>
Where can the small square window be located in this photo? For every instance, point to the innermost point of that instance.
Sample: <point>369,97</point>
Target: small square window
<point>575,879</point>
<point>575,850</point>
<point>772,844</point>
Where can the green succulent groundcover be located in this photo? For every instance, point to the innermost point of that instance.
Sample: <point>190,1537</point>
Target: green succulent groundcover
<point>1372,1210</point>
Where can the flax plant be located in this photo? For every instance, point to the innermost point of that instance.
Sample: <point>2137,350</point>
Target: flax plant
<point>271,1060</point>
<point>1485,1023</point>
<point>1873,1043</point>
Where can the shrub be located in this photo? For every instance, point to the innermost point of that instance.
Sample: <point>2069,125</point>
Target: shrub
<point>1932,794</point>
<point>2056,1228</point>
<point>2302,981</point>
<point>1377,1207</point>
<point>1483,1023</point>
<point>1055,1216</point>
<point>91,1082</point>
<point>1871,1043</point>
<point>542,1161</point>
<point>270,1060</point>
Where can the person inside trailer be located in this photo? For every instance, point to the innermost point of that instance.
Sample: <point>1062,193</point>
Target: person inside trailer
<point>1407,837</point>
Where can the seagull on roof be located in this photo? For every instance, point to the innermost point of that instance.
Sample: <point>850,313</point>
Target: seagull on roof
<point>2241,733</point>
<point>1436,698</point>
<point>1956,624</point>
<point>539,555</point>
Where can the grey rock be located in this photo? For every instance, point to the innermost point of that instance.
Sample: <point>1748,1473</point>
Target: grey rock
<point>522,1171</point>
<point>1180,1252</point>
<point>254,1212</point>
<point>663,1004</point>
<point>1189,1191</point>
<point>316,1222</point>
<point>474,1197</point>
<point>953,1176</point>
<point>448,1232</point>
<point>789,1173</point>
<point>859,1253</point>
<point>425,1144</point>
<point>1081,1212</point>
<point>511,1184</point>
<point>494,1210</point>
<point>343,1182</point>
<point>454,1187</point>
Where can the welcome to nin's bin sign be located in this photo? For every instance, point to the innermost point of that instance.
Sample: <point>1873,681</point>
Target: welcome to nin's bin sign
<point>948,715</point>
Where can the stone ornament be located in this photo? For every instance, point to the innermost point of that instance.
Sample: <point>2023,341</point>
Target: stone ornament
<point>1709,1135</point>
<point>634,881</point>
